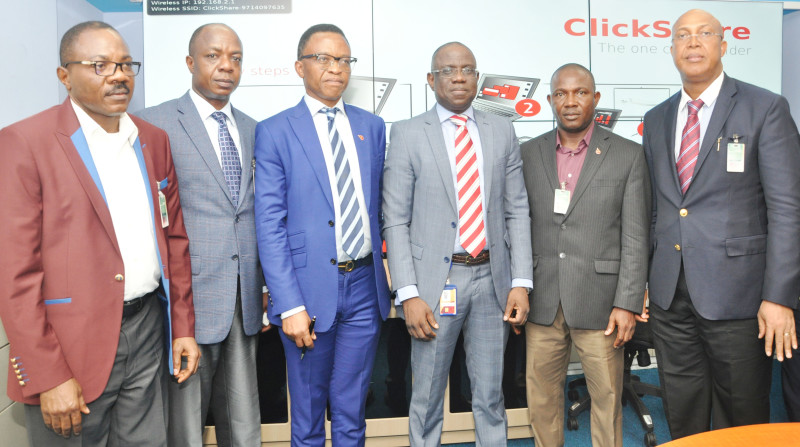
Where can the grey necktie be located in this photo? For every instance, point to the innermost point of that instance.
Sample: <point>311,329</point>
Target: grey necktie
<point>231,166</point>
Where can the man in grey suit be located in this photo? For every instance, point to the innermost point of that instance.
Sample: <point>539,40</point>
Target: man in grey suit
<point>589,195</point>
<point>212,144</point>
<point>457,231</point>
<point>724,161</point>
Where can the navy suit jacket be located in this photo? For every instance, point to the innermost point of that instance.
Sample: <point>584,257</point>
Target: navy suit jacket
<point>295,211</point>
<point>739,237</point>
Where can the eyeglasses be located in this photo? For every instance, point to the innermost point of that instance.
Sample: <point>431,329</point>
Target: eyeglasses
<point>701,36</point>
<point>108,68</point>
<point>449,72</point>
<point>325,60</point>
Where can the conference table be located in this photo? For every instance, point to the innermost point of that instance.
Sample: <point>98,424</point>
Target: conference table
<point>761,435</point>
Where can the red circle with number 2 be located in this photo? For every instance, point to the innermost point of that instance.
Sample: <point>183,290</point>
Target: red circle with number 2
<point>528,107</point>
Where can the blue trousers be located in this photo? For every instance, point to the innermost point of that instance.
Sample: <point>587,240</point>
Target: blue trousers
<point>339,367</point>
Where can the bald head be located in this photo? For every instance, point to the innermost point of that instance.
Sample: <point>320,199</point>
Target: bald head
<point>697,16</point>
<point>572,68</point>
<point>448,45</point>
<point>208,28</point>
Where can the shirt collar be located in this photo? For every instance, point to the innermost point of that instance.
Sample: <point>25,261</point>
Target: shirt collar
<point>205,109</point>
<point>90,127</point>
<point>709,96</point>
<point>314,105</point>
<point>583,144</point>
<point>444,114</point>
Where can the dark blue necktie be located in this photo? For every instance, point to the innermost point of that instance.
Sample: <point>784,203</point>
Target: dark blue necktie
<point>231,166</point>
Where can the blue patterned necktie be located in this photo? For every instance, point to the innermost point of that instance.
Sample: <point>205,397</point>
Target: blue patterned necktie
<point>231,166</point>
<point>352,225</point>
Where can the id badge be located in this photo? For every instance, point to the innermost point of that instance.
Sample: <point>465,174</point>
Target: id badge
<point>448,302</point>
<point>162,206</point>
<point>735,157</point>
<point>561,202</point>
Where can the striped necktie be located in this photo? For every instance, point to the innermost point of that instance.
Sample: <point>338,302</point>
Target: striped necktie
<point>690,145</point>
<point>472,234</point>
<point>231,166</point>
<point>352,224</point>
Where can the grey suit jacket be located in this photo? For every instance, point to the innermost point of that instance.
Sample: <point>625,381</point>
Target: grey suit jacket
<point>739,237</point>
<point>420,212</point>
<point>222,239</point>
<point>594,257</point>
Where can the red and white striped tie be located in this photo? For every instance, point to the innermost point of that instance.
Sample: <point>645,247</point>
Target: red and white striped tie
<point>472,234</point>
<point>690,145</point>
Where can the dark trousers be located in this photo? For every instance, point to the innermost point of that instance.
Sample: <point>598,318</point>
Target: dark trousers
<point>714,373</point>
<point>130,411</point>
<point>790,371</point>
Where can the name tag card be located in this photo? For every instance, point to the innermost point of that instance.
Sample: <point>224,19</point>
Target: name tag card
<point>561,202</point>
<point>448,302</point>
<point>735,157</point>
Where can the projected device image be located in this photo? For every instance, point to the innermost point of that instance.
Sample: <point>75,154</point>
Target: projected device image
<point>606,117</point>
<point>499,94</point>
<point>368,93</point>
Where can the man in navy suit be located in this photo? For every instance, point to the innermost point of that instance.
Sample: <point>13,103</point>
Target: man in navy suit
<point>724,161</point>
<point>318,198</point>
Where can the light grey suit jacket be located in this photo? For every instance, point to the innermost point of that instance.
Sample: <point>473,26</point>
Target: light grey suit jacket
<point>595,256</point>
<point>222,238</point>
<point>420,212</point>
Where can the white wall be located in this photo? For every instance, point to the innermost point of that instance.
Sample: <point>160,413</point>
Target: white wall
<point>791,62</point>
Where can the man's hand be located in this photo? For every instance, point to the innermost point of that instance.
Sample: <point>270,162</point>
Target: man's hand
<point>296,328</point>
<point>776,322</point>
<point>624,321</point>
<point>517,308</point>
<point>419,319</point>
<point>265,326</point>
<point>644,317</point>
<point>62,407</point>
<point>185,347</point>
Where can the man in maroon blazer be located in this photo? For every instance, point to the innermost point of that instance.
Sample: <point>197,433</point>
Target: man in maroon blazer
<point>95,277</point>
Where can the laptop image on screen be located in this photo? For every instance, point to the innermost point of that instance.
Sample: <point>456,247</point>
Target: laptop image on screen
<point>607,117</point>
<point>368,93</point>
<point>499,94</point>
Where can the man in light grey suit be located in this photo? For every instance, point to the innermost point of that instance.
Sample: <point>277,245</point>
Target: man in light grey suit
<point>457,231</point>
<point>724,161</point>
<point>589,195</point>
<point>212,144</point>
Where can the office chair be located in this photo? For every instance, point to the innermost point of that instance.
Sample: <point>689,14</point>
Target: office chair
<point>632,389</point>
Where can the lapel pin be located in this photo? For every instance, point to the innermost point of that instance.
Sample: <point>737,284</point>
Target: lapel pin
<point>598,151</point>
<point>361,137</point>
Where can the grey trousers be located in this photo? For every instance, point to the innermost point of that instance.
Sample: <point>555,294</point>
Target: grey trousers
<point>226,382</point>
<point>130,411</point>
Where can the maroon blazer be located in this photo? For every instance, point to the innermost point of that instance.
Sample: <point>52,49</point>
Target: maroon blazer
<point>61,271</point>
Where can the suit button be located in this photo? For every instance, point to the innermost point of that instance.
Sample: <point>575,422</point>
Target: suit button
<point>453,224</point>
<point>21,383</point>
<point>235,257</point>
<point>119,277</point>
<point>236,220</point>
<point>562,255</point>
<point>684,212</point>
<point>333,261</point>
<point>446,259</point>
<point>330,223</point>
<point>677,247</point>
<point>563,226</point>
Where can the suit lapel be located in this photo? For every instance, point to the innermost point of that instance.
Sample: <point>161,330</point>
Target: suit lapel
<point>433,130</point>
<point>722,108</point>
<point>595,154</point>
<point>73,142</point>
<point>303,126</point>
<point>246,135</point>
<point>670,121</point>
<point>488,152</point>
<point>547,149</point>
<point>360,134</point>
<point>193,125</point>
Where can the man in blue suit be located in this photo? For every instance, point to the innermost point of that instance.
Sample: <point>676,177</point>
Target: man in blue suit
<point>724,159</point>
<point>212,145</point>
<point>318,199</point>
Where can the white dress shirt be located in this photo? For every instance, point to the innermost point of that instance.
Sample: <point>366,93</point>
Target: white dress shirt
<point>212,126</point>
<point>342,124</point>
<point>709,97</point>
<point>449,130</point>
<point>126,197</point>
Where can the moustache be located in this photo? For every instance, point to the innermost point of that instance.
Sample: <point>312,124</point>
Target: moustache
<point>120,88</point>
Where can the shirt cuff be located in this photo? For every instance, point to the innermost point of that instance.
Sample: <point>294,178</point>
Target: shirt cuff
<point>291,312</point>
<point>519,282</point>
<point>405,293</point>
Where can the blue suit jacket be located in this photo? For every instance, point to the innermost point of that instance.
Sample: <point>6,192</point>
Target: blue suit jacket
<point>739,239</point>
<point>294,211</point>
